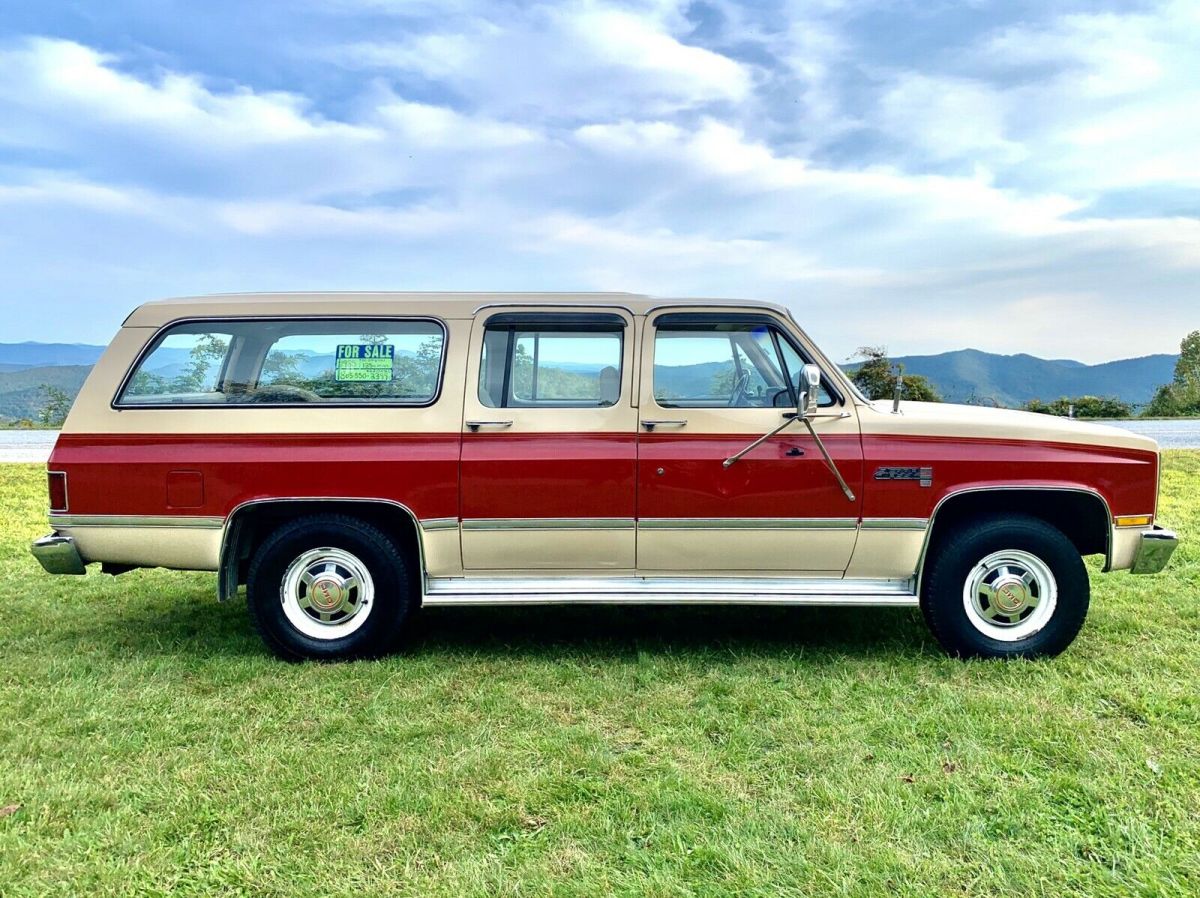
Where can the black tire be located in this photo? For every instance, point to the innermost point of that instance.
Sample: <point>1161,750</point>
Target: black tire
<point>384,561</point>
<point>955,557</point>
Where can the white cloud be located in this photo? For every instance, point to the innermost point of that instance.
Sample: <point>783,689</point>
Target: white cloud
<point>950,118</point>
<point>564,61</point>
<point>66,80</point>
<point>442,128</point>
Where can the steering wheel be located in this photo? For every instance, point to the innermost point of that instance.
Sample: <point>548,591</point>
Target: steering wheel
<point>740,391</point>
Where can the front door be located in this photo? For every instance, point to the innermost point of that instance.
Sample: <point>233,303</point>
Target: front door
<point>713,382</point>
<point>549,441</point>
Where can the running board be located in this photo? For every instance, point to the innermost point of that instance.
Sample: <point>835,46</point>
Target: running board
<point>445,591</point>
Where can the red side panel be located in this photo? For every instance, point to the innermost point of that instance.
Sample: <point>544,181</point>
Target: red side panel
<point>115,474</point>
<point>1126,478</point>
<point>578,475</point>
<point>548,475</point>
<point>785,477</point>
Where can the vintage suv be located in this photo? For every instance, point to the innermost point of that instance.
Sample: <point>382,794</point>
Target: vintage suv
<point>352,457</point>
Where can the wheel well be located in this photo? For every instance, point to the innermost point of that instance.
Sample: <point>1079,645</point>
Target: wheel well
<point>1082,516</point>
<point>250,524</point>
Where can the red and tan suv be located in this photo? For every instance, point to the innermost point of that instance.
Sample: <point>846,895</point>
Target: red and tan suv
<point>352,457</point>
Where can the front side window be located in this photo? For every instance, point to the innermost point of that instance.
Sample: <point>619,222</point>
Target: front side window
<point>734,366</point>
<point>342,362</point>
<point>553,365</point>
<point>702,361</point>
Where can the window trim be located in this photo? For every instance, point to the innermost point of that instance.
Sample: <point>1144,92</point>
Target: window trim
<point>162,332</point>
<point>549,322</point>
<point>700,321</point>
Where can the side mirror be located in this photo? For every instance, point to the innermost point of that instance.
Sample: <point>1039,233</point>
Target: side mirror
<point>810,397</point>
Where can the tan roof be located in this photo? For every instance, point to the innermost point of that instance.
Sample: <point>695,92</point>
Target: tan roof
<point>442,305</point>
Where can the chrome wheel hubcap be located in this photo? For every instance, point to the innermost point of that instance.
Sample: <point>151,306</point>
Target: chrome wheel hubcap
<point>327,593</point>
<point>1010,595</point>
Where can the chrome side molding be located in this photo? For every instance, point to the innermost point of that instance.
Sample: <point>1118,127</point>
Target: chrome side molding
<point>455,591</point>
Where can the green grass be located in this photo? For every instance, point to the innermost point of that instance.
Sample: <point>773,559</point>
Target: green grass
<point>153,747</point>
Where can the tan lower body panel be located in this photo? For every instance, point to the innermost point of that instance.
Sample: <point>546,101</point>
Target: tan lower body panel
<point>785,545</point>
<point>1125,543</point>
<point>443,554</point>
<point>529,548</point>
<point>178,547</point>
<point>887,553</point>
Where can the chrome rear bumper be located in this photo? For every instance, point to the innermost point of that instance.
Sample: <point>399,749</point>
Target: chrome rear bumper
<point>58,555</point>
<point>1154,550</point>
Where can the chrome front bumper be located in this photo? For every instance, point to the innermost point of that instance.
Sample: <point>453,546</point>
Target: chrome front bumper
<point>1154,550</point>
<point>58,555</point>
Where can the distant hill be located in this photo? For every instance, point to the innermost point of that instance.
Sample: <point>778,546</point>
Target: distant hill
<point>32,355</point>
<point>1012,380</point>
<point>21,394</point>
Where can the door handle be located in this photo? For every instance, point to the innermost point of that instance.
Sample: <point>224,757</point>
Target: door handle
<point>474,426</point>
<point>650,425</point>
<point>795,452</point>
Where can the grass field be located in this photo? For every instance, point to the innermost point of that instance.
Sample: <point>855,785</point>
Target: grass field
<point>148,745</point>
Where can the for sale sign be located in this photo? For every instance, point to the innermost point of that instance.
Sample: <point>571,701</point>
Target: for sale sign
<point>364,362</point>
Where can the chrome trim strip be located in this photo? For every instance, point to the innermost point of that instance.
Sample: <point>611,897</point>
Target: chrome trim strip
<point>700,585</point>
<point>193,522</point>
<point>600,303</point>
<point>917,524</point>
<point>684,598</point>
<point>747,523</point>
<point>547,524</point>
<point>668,591</point>
<point>429,525</point>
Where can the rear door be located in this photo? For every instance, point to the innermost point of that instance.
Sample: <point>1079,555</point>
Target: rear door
<point>548,474</point>
<point>712,383</point>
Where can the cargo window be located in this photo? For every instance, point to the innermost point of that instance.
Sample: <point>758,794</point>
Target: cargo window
<point>559,362</point>
<point>274,362</point>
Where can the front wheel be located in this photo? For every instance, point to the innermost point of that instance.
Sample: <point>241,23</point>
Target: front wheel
<point>1004,587</point>
<point>328,587</point>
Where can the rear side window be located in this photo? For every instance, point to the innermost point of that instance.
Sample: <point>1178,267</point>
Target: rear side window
<point>269,362</point>
<point>549,361</point>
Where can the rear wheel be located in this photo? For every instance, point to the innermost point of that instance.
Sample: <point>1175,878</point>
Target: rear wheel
<point>1003,587</point>
<point>329,587</point>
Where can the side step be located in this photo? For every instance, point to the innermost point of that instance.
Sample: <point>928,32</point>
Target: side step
<point>442,591</point>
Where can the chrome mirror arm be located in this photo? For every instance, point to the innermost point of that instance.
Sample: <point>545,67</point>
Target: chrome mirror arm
<point>762,439</point>
<point>829,461</point>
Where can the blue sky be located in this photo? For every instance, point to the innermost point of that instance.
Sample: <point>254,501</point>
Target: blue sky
<point>1017,177</point>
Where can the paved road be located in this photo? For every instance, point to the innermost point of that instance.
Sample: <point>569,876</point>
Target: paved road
<point>1182,434</point>
<point>35,445</point>
<point>26,445</point>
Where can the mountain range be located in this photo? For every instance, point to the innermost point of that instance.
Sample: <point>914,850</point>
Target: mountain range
<point>965,375</point>
<point>970,375</point>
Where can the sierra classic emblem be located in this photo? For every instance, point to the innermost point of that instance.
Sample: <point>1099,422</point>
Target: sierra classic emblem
<point>924,475</point>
